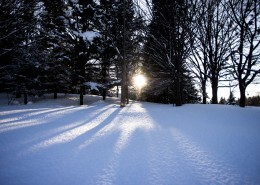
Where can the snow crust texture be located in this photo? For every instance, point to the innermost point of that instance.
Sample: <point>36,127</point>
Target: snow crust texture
<point>143,143</point>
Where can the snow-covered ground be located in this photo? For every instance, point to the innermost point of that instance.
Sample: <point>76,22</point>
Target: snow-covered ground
<point>55,142</point>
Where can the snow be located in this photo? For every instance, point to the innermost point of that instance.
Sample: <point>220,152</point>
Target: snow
<point>88,35</point>
<point>59,142</point>
<point>93,85</point>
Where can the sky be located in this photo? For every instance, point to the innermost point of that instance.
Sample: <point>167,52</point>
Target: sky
<point>252,90</point>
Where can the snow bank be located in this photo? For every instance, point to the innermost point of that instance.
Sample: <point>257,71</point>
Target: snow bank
<point>143,143</point>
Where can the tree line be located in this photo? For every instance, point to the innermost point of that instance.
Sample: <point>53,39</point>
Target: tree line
<point>215,41</point>
<point>180,45</point>
<point>61,45</point>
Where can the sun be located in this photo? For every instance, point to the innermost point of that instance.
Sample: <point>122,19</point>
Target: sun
<point>139,81</point>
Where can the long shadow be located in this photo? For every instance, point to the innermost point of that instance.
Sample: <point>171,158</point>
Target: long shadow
<point>77,124</point>
<point>132,124</point>
<point>8,111</point>
<point>42,121</point>
<point>100,130</point>
<point>31,114</point>
<point>50,129</point>
<point>96,150</point>
<point>15,111</point>
<point>38,118</point>
<point>70,134</point>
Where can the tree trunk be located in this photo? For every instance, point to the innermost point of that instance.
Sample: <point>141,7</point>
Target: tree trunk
<point>25,100</point>
<point>82,80</point>
<point>104,78</point>
<point>178,97</point>
<point>117,78</point>
<point>123,91</point>
<point>127,95</point>
<point>55,96</point>
<point>18,95</point>
<point>127,89</point>
<point>123,84</point>
<point>214,86</point>
<point>123,81</point>
<point>104,93</point>
<point>166,96</point>
<point>214,95</point>
<point>178,92</point>
<point>117,91</point>
<point>204,93</point>
<point>104,73</point>
<point>82,88</point>
<point>242,89</point>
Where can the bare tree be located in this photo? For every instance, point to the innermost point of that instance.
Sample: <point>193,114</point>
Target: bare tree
<point>214,34</point>
<point>198,65</point>
<point>245,56</point>
<point>198,58</point>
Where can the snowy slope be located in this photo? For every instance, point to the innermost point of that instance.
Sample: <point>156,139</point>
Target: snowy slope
<point>57,142</point>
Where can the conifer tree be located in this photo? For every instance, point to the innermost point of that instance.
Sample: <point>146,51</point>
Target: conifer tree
<point>20,71</point>
<point>231,99</point>
<point>53,38</point>
<point>82,33</point>
<point>118,27</point>
<point>168,42</point>
<point>222,101</point>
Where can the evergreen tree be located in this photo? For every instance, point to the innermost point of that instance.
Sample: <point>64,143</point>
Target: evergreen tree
<point>231,99</point>
<point>117,21</point>
<point>222,101</point>
<point>53,36</point>
<point>20,70</point>
<point>8,40</point>
<point>107,53</point>
<point>82,33</point>
<point>168,44</point>
<point>253,101</point>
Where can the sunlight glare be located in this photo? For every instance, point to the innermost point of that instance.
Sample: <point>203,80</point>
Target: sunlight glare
<point>140,81</point>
